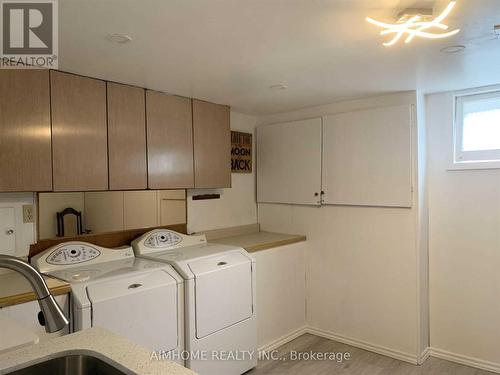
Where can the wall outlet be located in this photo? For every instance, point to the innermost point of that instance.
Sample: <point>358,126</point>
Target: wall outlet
<point>28,214</point>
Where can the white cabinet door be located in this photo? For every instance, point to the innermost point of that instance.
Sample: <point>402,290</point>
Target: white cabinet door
<point>7,230</point>
<point>367,157</point>
<point>26,314</point>
<point>289,162</point>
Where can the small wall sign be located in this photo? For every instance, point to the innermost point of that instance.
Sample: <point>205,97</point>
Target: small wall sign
<point>241,152</point>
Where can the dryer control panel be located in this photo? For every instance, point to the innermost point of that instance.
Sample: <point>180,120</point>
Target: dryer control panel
<point>75,253</point>
<point>163,239</point>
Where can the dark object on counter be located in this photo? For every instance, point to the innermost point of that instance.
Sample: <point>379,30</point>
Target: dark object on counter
<point>206,196</point>
<point>60,221</point>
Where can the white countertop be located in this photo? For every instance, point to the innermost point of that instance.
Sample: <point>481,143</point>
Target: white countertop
<point>118,351</point>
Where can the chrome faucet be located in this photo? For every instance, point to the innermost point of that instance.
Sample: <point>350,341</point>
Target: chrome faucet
<point>54,317</point>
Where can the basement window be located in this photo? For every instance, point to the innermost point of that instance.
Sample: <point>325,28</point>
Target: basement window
<point>477,130</point>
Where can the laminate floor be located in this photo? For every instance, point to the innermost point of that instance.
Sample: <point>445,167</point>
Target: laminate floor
<point>361,362</point>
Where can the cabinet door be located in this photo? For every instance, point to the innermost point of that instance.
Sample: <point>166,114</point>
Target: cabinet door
<point>27,315</point>
<point>126,137</point>
<point>289,162</point>
<point>79,133</point>
<point>212,145</point>
<point>25,156</point>
<point>367,157</point>
<point>170,141</point>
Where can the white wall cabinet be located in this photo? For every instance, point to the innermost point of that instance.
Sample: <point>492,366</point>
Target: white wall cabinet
<point>367,157</point>
<point>361,158</point>
<point>289,162</point>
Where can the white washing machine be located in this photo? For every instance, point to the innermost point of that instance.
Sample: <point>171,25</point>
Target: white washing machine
<point>219,289</point>
<point>136,298</point>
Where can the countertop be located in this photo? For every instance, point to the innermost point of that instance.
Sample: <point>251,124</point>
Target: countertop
<point>251,238</point>
<point>15,289</point>
<point>118,351</point>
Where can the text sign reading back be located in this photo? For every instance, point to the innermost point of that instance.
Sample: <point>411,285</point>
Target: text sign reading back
<point>241,152</point>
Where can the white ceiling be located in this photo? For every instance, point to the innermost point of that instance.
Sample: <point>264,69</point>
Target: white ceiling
<point>231,51</point>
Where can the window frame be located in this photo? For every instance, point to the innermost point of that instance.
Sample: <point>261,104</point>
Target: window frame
<point>479,159</point>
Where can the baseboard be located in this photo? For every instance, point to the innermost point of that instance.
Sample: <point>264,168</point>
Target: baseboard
<point>424,355</point>
<point>465,360</point>
<point>406,357</point>
<point>283,340</point>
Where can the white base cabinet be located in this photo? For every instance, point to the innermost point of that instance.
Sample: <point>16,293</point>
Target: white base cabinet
<point>26,314</point>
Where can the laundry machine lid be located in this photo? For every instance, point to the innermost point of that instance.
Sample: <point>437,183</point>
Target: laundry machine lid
<point>141,307</point>
<point>90,273</point>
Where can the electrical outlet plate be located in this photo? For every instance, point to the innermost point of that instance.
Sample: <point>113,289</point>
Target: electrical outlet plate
<point>28,214</point>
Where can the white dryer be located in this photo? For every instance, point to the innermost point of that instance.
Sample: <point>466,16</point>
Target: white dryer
<point>136,298</point>
<point>220,304</point>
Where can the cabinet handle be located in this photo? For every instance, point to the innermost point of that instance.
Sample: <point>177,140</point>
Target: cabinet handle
<point>316,194</point>
<point>10,231</point>
<point>322,192</point>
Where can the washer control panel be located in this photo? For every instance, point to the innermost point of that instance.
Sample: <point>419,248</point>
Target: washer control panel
<point>75,253</point>
<point>164,239</point>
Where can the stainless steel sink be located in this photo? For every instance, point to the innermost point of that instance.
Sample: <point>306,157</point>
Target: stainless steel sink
<point>75,364</point>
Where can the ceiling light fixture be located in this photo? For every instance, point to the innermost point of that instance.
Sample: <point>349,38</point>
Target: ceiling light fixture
<point>120,38</point>
<point>415,22</point>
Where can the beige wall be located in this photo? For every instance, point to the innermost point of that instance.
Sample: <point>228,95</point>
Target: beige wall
<point>236,205</point>
<point>363,263</point>
<point>464,243</point>
<point>49,204</point>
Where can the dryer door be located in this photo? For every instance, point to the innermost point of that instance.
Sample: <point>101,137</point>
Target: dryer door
<point>141,307</point>
<point>223,292</point>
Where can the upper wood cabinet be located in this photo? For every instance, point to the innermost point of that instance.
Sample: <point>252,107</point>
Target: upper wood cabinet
<point>64,132</point>
<point>212,145</point>
<point>170,141</point>
<point>79,133</point>
<point>25,146</point>
<point>289,162</point>
<point>126,137</point>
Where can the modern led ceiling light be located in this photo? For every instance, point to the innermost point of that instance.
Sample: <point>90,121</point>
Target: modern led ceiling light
<point>416,22</point>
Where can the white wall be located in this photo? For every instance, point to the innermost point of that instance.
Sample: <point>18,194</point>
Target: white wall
<point>236,206</point>
<point>464,247</point>
<point>363,281</point>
